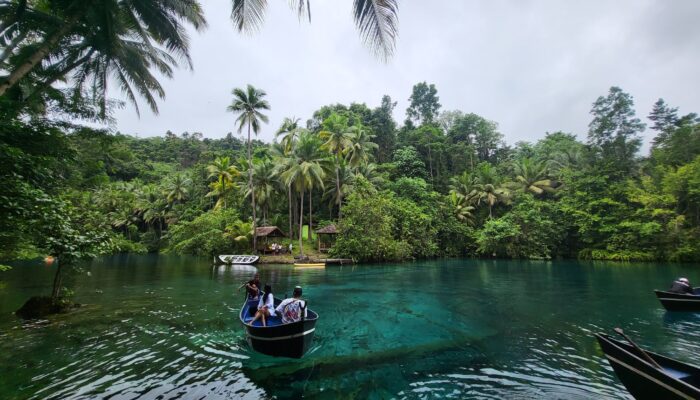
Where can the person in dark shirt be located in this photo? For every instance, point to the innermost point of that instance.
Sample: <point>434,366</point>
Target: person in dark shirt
<point>253,287</point>
<point>681,286</point>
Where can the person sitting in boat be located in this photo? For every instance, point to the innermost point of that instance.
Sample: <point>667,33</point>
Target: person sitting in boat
<point>266,306</point>
<point>253,287</point>
<point>290,309</point>
<point>681,286</point>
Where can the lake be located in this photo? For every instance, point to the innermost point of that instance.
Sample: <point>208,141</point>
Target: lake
<point>165,327</point>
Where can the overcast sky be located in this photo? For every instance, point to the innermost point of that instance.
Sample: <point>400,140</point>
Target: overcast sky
<point>531,66</point>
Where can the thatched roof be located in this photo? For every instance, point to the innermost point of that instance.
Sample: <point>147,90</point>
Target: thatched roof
<point>329,230</point>
<point>269,231</point>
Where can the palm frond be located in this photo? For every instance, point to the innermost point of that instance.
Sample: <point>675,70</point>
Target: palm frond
<point>301,7</point>
<point>248,15</point>
<point>377,22</point>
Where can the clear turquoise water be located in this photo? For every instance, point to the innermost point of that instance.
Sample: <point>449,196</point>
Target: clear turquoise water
<point>156,327</point>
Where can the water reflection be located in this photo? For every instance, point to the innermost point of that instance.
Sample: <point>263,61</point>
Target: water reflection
<point>166,327</point>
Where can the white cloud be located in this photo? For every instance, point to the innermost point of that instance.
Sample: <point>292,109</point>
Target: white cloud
<point>532,66</point>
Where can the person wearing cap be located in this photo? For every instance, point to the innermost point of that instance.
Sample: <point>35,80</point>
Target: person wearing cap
<point>681,286</point>
<point>290,309</point>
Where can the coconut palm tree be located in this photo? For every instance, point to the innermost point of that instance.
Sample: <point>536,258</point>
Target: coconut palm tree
<point>531,176</point>
<point>369,171</point>
<point>289,131</point>
<point>488,188</point>
<point>177,188</point>
<point>264,182</point>
<point>90,41</point>
<point>224,173</point>
<point>240,232</point>
<point>338,139</point>
<point>362,146</point>
<point>247,104</point>
<point>463,184</point>
<point>376,20</point>
<point>305,172</point>
<point>490,194</point>
<point>157,211</point>
<point>283,162</point>
<point>461,208</point>
<point>344,178</point>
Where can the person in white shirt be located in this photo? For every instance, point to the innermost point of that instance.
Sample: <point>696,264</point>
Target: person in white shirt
<point>266,306</point>
<point>290,309</point>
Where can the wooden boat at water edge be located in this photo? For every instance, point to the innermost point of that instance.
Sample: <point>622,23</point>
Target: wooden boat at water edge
<point>230,259</point>
<point>309,265</point>
<point>679,302</point>
<point>277,339</point>
<point>671,380</point>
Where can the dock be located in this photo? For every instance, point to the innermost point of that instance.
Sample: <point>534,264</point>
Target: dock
<point>338,261</point>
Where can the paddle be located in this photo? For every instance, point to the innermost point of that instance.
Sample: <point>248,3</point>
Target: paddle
<point>644,353</point>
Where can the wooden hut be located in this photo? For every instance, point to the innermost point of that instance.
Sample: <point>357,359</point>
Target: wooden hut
<point>266,236</point>
<point>326,237</point>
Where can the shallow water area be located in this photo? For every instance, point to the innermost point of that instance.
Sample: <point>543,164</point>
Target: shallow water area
<point>167,327</point>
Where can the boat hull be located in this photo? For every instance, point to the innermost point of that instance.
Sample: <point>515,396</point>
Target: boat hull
<point>290,340</point>
<point>642,379</point>
<point>678,302</point>
<point>279,340</point>
<point>236,259</point>
<point>309,265</point>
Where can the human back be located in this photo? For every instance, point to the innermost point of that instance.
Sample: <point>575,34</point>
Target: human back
<point>290,310</point>
<point>681,286</point>
<point>267,300</point>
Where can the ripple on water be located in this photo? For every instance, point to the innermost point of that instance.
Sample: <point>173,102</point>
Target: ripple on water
<point>453,329</point>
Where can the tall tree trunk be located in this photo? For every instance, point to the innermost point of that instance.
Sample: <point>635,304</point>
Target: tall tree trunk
<point>57,278</point>
<point>337,188</point>
<point>301,225</point>
<point>430,162</point>
<point>310,220</point>
<point>252,194</point>
<point>295,214</point>
<point>289,203</point>
<point>49,43</point>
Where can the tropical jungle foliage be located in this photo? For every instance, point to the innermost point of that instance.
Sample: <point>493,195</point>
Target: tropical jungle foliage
<point>442,183</point>
<point>448,185</point>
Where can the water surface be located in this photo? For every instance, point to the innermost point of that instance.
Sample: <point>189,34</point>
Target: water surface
<point>157,327</point>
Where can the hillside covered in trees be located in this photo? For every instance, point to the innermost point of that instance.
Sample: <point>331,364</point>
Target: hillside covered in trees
<point>442,183</point>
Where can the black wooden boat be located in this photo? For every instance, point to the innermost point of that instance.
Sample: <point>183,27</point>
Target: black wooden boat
<point>674,380</point>
<point>679,302</point>
<point>277,339</point>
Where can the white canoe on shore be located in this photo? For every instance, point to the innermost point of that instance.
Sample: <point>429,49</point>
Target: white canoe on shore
<point>230,259</point>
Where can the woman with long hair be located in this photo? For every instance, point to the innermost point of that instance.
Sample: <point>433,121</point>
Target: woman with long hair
<point>266,306</point>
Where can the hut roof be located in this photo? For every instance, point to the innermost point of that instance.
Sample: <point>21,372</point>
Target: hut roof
<point>329,230</point>
<point>269,231</point>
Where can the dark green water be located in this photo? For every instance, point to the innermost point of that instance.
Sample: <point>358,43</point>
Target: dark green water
<point>167,327</point>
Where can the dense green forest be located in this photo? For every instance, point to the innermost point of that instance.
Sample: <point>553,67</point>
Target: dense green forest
<point>443,183</point>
